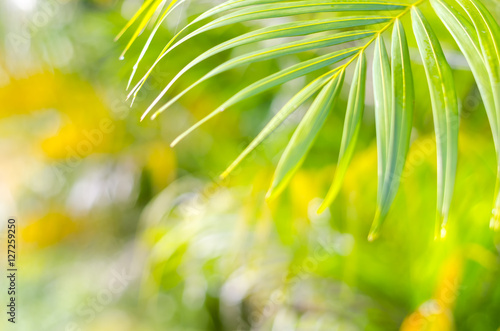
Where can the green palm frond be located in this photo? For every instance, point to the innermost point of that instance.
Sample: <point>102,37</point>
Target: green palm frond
<point>352,125</point>
<point>305,134</point>
<point>445,109</point>
<point>363,23</point>
<point>398,130</point>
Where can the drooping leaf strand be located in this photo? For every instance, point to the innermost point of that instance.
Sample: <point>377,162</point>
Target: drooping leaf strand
<point>445,110</point>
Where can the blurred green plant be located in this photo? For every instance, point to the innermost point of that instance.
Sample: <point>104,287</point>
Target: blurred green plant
<point>477,34</point>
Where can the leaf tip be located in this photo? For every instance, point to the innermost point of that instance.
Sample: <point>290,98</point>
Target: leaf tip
<point>269,195</point>
<point>440,233</point>
<point>175,142</point>
<point>224,175</point>
<point>321,208</point>
<point>495,220</point>
<point>372,236</point>
<point>274,190</point>
<point>443,232</point>
<point>375,228</point>
<point>332,194</point>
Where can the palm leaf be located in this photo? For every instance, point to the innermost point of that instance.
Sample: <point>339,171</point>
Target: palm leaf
<point>382,93</point>
<point>488,32</point>
<point>352,125</point>
<point>279,31</point>
<point>274,10</point>
<point>466,37</point>
<point>134,18</point>
<point>445,110</point>
<point>304,135</point>
<point>171,7</point>
<point>145,20</point>
<point>228,5</point>
<point>269,53</point>
<point>297,100</point>
<point>266,83</point>
<point>400,124</point>
<point>477,36</point>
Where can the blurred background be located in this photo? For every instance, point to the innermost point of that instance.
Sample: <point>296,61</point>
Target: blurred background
<point>120,232</point>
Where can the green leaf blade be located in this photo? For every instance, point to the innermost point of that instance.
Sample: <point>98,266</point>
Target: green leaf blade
<point>134,18</point>
<point>488,32</point>
<point>352,124</point>
<point>274,10</point>
<point>171,7</point>
<point>283,9</point>
<point>297,100</point>
<point>272,52</point>
<point>292,72</point>
<point>228,5</point>
<point>382,93</point>
<point>445,111</point>
<point>466,38</point>
<point>403,97</point>
<point>145,20</point>
<point>304,135</point>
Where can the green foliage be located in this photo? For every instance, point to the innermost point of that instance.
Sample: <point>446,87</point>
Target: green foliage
<point>477,34</point>
<point>306,132</point>
<point>445,108</point>
<point>401,103</point>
